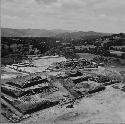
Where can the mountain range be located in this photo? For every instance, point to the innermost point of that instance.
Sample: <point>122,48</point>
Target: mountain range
<point>59,33</point>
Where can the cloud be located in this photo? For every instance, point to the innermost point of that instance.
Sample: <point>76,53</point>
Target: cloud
<point>46,1</point>
<point>98,15</point>
<point>110,7</point>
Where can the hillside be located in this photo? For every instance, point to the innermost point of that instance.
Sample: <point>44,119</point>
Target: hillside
<point>8,32</point>
<point>81,34</point>
<point>64,34</point>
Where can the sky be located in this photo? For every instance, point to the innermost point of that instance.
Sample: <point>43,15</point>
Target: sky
<point>84,15</point>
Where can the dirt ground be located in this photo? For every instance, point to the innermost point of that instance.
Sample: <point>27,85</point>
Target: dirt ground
<point>104,107</point>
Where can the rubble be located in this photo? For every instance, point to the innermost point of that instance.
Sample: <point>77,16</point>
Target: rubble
<point>67,82</point>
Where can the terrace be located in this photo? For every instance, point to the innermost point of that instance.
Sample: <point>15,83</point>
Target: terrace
<point>27,81</point>
<point>79,79</point>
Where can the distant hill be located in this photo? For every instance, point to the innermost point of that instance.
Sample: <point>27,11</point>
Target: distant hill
<point>59,31</point>
<point>8,32</point>
<point>65,34</point>
<point>81,34</point>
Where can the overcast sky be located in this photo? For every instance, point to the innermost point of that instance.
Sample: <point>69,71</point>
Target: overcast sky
<point>86,15</point>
